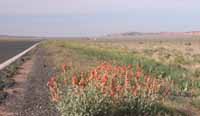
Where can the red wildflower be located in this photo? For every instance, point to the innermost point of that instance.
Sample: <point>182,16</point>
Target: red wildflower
<point>112,85</point>
<point>53,89</point>
<point>129,66</point>
<point>117,69</point>
<point>64,67</point>
<point>51,82</point>
<point>112,94</point>
<point>115,76</point>
<point>127,81</point>
<point>119,88</point>
<point>91,75</point>
<point>104,79</point>
<point>124,69</point>
<point>138,73</point>
<point>74,80</point>
<point>65,81</point>
<point>94,73</point>
<point>103,90</point>
<point>131,74</point>
<point>135,89</point>
<point>82,82</point>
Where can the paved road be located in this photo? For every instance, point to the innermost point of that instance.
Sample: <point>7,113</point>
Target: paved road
<point>9,49</point>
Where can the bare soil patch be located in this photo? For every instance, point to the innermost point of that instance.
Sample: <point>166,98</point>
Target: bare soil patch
<point>17,91</point>
<point>29,96</point>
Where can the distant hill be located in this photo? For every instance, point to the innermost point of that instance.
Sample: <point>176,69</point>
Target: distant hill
<point>132,33</point>
<point>195,33</point>
<point>181,33</point>
<point>12,36</point>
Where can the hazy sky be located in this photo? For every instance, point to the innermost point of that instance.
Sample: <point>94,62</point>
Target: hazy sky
<point>96,17</point>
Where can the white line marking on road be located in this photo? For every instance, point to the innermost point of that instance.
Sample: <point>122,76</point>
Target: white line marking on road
<point>13,59</point>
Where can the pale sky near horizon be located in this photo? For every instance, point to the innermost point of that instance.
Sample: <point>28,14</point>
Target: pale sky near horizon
<point>96,17</point>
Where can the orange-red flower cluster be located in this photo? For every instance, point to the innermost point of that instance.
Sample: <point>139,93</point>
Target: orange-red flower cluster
<point>53,87</point>
<point>115,81</point>
<point>118,80</point>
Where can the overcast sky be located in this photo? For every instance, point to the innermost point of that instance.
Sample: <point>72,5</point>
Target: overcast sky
<point>96,17</point>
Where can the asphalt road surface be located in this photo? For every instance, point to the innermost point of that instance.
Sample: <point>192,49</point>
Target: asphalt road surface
<point>8,49</point>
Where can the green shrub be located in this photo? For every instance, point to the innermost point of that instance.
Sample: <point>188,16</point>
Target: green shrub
<point>180,60</point>
<point>94,103</point>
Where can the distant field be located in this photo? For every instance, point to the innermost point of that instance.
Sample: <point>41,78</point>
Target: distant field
<point>9,48</point>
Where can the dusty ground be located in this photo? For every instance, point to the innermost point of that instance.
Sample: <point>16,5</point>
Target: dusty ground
<point>17,91</point>
<point>29,97</point>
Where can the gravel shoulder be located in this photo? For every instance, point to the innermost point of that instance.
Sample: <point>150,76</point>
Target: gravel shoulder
<point>29,96</point>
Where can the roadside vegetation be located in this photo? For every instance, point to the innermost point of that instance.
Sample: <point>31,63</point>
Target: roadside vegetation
<point>98,78</point>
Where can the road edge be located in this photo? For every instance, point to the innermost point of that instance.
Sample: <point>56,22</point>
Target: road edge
<point>13,59</point>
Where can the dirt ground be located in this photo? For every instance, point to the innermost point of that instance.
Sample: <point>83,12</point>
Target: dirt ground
<point>17,91</point>
<point>29,96</point>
